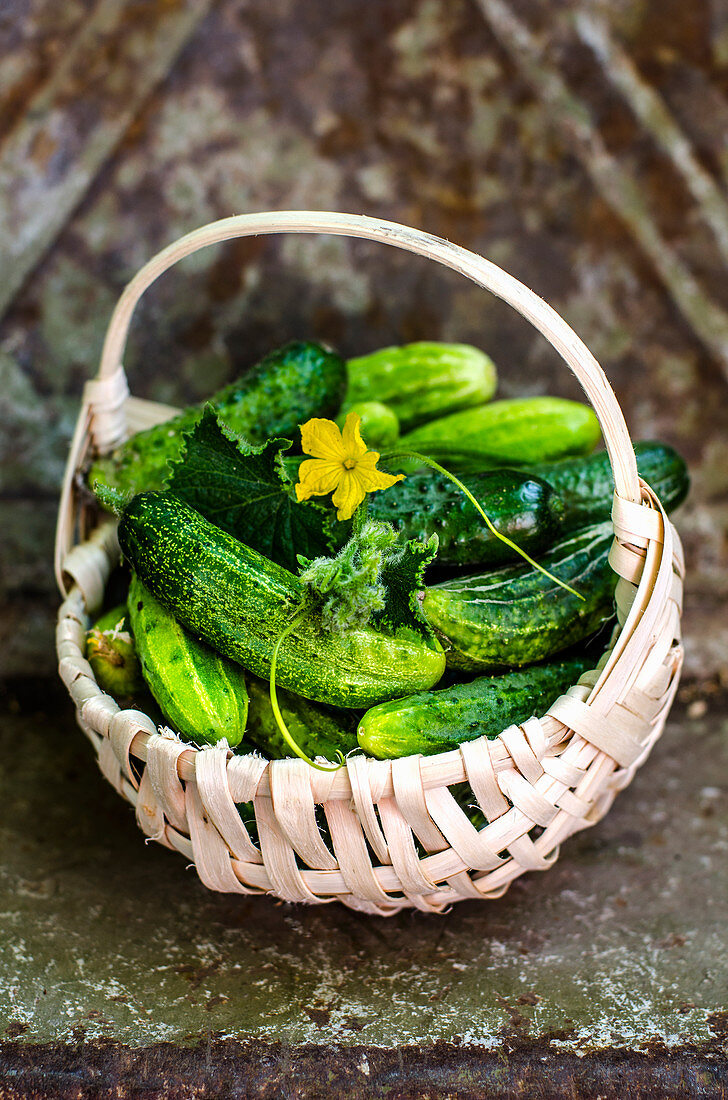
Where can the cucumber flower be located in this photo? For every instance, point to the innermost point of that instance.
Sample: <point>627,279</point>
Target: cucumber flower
<point>340,464</point>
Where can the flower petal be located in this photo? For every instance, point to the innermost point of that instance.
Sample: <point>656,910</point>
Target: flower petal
<point>372,479</point>
<point>316,477</point>
<point>354,446</point>
<point>349,495</point>
<point>322,439</point>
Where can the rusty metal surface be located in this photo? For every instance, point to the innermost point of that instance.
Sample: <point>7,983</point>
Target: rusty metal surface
<point>225,1069</point>
<point>109,945</point>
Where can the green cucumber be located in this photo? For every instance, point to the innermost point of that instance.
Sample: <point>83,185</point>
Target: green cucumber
<point>516,616</point>
<point>111,652</point>
<point>286,388</point>
<point>435,721</point>
<point>199,692</point>
<point>240,602</point>
<point>422,380</point>
<point>520,430</point>
<point>318,730</point>
<point>523,508</point>
<point>586,485</point>
<point>379,423</point>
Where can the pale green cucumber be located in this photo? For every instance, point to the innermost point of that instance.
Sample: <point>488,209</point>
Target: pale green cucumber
<point>202,694</point>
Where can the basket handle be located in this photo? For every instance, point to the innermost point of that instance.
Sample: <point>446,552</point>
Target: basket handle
<point>105,397</point>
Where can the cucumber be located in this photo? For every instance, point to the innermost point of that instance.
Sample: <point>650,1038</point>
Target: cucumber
<point>285,389</point>
<point>239,602</point>
<point>435,721</point>
<point>516,616</point>
<point>586,485</point>
<point>422,380</point>
<point>523,508</point>
<point>520,430</point>
<point>199,692</point>
<point>318,730</point>
<point>111,652</point>
<point>379,423</point>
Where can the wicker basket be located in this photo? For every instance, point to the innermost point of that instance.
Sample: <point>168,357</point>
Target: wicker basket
<point>536,784</point>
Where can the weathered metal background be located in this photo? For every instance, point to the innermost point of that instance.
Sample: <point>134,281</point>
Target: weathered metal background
<point>583,145</point>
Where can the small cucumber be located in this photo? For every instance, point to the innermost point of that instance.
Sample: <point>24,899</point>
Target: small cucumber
<point>240,602</point>
<point>285,389</point>
<point>379,423</point>
<point>517,430</point>
<point>200,693</point>
<point>111,652</point>
<point>516,616</point>
<point>435,721</point>
<point>523,508</point>
<point>422,380</point>
<point>318,730</point>
<point>586,485</point>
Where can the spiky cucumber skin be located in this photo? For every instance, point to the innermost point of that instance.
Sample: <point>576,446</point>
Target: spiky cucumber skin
<point>516,616</point>
<point>318,730</point>
<point>586,485</point>
<point>286,388</point>
<point>239,602</point>
<point>523,508</point>
<point>436,721</point>
<point>422,380</point>
<point>202,694</point>
<point>516,430</point>
<point>112,654</point>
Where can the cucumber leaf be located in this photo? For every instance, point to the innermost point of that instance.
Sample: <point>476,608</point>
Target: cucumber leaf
<point>374,579</point>
<point>247,491</point>
<point>403,577</point>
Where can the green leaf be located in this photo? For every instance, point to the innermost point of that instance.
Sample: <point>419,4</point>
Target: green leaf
<point>247,491</point>
<point>403,576</point>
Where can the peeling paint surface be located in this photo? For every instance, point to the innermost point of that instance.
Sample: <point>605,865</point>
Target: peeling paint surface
<point>621,944</point>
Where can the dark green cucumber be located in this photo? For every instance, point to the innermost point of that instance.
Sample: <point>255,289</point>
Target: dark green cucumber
<point>516,616</point>
<point>240,602</point>
<point>286,388</point>
<point>521,507</point>
<point>435,721</point>
<point>318,730</point>
<point>517,430</point>
<point>202,694</point>
<point>111,652</point>
<point>586,485</point>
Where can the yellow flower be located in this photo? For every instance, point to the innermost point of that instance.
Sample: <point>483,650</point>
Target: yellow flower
<point>340,464</point>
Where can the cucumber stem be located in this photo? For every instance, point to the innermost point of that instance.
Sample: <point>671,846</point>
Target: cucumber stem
<point>392,456</point>
<point>280,722</point>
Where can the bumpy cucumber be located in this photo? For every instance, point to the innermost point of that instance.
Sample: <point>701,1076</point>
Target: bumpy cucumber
<point>379,423</point>
<point>516,616</point>
<point>285,389</point>
<point>435,721</point>
<point>517,430</point>
<point>318,730</point>
<point>111,652</point>
<point>240,602</point>
<point>523,508</point>
<point>422,380</point>
<point>586,485</point>
<point>201,694</point>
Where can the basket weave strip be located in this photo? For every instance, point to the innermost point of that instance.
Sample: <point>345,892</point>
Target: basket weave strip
<point>395,835</point>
